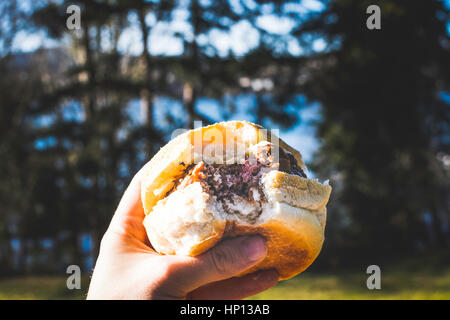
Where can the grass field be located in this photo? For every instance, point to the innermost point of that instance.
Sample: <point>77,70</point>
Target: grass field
<point>395,284</point>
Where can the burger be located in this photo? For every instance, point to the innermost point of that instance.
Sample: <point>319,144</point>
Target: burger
<point>230,179</point>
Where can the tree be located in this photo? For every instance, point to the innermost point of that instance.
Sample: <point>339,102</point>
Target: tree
<point>384,122</point>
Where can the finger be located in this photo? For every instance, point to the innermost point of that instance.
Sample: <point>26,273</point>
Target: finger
<point>236,288</point>
<point>130,213</point>
<point>225,260</point>
<point>131,204</point>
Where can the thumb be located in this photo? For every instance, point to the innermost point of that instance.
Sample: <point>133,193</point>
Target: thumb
<point>226,260</point>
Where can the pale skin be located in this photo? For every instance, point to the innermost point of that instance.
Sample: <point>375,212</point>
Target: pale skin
<point>128,268</point>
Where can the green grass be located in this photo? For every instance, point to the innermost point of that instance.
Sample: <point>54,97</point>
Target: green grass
<point>40,287</point>
<point>424,276</point>
<point>394,285</point>
<point>399,283</point>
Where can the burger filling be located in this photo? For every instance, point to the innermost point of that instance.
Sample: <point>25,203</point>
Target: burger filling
<point>236,187</point>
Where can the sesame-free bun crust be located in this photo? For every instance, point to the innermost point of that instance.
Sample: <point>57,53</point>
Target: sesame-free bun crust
<point>188,222</point>
<point>294,240</point>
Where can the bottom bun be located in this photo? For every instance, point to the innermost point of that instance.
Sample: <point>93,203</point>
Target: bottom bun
<point>294,240</point>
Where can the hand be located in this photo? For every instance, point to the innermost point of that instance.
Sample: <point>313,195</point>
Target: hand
<point>128,268</point>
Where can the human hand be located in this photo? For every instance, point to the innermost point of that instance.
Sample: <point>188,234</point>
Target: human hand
<point>128,268</point>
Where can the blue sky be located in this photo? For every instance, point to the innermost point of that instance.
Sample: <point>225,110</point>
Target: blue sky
<point>163,41</point>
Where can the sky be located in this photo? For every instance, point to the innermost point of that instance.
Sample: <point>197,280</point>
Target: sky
<point>241,38</point>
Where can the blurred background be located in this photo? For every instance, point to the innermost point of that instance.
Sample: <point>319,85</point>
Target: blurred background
<point>82,110</point>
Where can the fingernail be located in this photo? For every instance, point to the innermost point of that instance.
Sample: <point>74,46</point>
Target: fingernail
<point>254,248</point>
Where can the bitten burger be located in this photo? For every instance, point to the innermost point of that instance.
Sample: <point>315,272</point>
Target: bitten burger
<point>229,179</point>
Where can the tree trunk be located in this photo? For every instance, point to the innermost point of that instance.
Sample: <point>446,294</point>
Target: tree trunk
<point>6,255</point>
<point>441,240</point>
<point>23,255</point>
<point>146,94</point>
<point>77,255</point>
<point>191,89</point>
<point>189,98</point>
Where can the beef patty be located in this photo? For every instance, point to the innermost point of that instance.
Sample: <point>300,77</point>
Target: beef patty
<point>231,184</point>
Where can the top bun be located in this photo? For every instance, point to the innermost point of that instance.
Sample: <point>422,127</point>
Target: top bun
<point>190,221</point>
